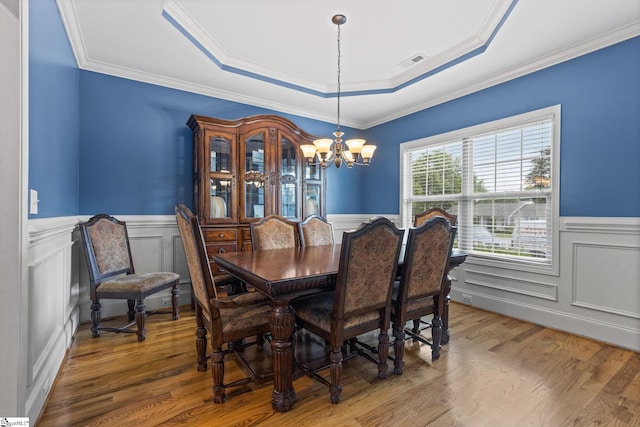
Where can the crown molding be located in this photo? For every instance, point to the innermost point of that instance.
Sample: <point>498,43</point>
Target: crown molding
<point>606,40</point>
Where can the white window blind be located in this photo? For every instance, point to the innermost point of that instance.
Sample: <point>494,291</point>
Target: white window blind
<point>497,178</point>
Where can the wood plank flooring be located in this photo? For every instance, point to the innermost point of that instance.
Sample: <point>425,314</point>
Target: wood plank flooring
<point>496,371</point>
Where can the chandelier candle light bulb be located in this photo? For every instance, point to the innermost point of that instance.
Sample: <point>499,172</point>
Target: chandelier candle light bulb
<point>333,151</point>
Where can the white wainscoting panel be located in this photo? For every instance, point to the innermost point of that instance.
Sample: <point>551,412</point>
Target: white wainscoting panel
<point>506,281</point>
<point>602,278</point>
<point>596,293</point>
<point>52,312</point>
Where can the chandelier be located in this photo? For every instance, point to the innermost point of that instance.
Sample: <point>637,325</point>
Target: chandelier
<point>333,151</point>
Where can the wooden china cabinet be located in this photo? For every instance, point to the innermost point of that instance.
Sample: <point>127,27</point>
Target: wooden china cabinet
<point>246,169</point>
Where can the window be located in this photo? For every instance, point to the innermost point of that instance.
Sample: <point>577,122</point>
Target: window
<point>500,178</point>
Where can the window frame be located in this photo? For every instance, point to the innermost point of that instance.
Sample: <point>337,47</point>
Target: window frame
<point>465,225</point>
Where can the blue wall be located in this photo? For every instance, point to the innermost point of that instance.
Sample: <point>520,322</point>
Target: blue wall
<point>600,132</point>
<point>105,144</point>
<point>136,149</point>
<point>53,113</point>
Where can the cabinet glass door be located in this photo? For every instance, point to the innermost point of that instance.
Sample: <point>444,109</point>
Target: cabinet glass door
<point>312,199</point>
<point>312,172</point>
<point>312,191</point>
<point>254,176</point>
<point>219,154</point>
<point>288,181</point>
<point>220,201</point>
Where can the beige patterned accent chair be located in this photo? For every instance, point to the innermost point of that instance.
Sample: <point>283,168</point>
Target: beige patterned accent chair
<point>315,231</point>
<point>361,302</point>
<point>112,275</point>
<point>274,232</point>
<point>421,288</point>
<point>230,319</point>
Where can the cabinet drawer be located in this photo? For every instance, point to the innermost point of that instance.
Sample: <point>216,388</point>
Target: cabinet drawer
<point>220,234</point>
<point>221,248</point>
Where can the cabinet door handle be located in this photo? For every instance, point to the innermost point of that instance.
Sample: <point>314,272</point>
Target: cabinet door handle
<point>221,251</point>
<point>221,235</point>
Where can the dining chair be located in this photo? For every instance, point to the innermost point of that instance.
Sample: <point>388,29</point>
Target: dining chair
<point>421,287</point>
<point>417,220</point>
<point>361,302</point>
<point>274,232</point>
<point>112,275</point>
<point>434,212</point>
<point>233,319</point>
<point>315,231</point>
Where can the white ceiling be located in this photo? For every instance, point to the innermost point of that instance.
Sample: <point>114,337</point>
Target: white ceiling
<point>282,54</point>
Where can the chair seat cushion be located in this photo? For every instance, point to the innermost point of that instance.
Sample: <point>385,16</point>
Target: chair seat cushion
<point>244,317</point>
<point>317,310</point>
<point>137,285</point>
<point>421,304</point>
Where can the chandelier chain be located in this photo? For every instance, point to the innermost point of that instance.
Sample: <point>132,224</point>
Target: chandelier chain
<point>338,122</point>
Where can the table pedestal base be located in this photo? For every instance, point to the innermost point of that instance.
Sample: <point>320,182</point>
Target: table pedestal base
<point>282,347</point>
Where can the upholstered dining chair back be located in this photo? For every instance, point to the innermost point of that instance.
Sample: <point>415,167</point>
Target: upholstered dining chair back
<point>202,283</point>
<point>368,262</point>
<point>274,232</point>
<point>434,212</point>
<point>230,320</point>
<point>112,275</point>
<point>426,258</point>
<point>315,231</point>
<point>421,288</point>
<point>362,298</point>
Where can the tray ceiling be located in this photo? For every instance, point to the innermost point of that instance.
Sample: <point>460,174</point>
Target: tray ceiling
<point>282,54</point>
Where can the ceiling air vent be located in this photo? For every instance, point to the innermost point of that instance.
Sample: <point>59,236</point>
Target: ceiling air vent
<point>418,57</point>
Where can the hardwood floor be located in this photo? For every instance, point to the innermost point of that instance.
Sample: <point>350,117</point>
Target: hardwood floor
<point>496,371</point>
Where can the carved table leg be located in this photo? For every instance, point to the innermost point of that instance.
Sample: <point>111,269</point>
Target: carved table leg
<point>282,329</point>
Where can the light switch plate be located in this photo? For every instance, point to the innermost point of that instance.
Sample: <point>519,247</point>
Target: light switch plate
<point>33,206</point>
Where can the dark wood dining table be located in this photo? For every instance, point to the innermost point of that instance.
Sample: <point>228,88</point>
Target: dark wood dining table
<point>286,274</point>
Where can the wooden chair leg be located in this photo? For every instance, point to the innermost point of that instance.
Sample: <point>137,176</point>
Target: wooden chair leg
<point>383,353</point>
<point>175,300</point>
<point>140,318</point>
<point>336,374</point>
<point>416,328</point>
<point>217,373</point>
<point>131,313</point>
<point>201,341</point>
<point>398,349</point>
<point>436,334</point>
<point>260,341</point>
<point>95,318</point>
